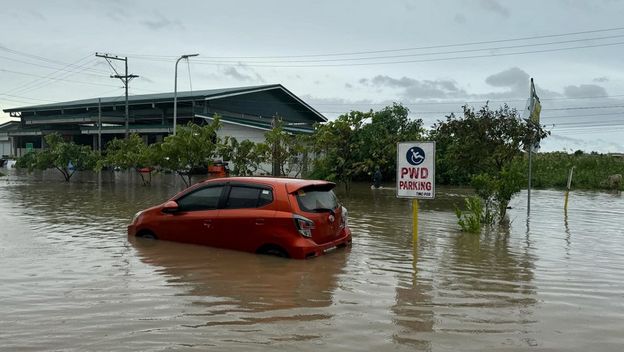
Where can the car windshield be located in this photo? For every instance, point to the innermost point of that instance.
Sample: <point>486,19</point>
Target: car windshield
<point>316,200</point>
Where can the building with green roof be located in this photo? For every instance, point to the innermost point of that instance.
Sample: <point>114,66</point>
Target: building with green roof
<point>246,113</point>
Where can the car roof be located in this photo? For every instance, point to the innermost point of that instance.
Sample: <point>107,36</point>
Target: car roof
<point>292,184</point>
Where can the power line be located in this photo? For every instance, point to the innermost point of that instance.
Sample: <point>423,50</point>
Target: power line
<point>585,107</point>
<point>421,54</point>
<point>40,58</point>
<point>37,83</point>
<point>54,79</point>
<point>399,49</point>
<point>99,74</point>
<point>421,60</point>
<point>26,98</point>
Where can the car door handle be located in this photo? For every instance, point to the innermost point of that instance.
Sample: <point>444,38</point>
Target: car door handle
<point>259,221</point>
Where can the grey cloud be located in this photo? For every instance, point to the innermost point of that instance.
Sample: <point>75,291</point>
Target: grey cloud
<point>496,7</point>
<point>511,78</point>
<point>584,90</point>
<point>348,85</point>
<point>239,75</point>
<point>460,19</point>
<point>37,15</point>
<point>158,21</point>
<point>601,79</point>
<point>118,15</point>
<point>332,107</point>
<point>416,89</point>
<point>232,72</point>
<point>409,6</point>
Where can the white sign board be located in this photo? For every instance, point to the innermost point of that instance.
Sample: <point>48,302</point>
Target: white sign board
<point>416,170</point>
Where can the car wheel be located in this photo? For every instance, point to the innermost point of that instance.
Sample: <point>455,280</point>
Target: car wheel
<point>273,250</point>
<point>147,234</point>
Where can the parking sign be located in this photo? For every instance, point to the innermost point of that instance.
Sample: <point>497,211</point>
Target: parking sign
<point>416,170</point>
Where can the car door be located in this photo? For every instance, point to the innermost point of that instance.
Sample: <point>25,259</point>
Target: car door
<point>247,216</point>
<point>196,220</point>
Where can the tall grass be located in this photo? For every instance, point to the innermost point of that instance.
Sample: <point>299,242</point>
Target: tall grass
<point>550,170</point>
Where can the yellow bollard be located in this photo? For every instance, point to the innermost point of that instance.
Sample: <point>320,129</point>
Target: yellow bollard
<point>567,193</point>
<point>415,220</point>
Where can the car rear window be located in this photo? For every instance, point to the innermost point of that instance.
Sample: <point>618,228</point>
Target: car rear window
<point>316,200</point>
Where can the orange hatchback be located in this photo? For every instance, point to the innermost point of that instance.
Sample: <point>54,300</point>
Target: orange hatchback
<point>285,217</point>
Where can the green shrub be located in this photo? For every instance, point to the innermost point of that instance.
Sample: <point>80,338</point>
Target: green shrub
<point>473,217</point>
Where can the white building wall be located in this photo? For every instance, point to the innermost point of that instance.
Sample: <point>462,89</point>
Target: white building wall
<point>5,146</point>
<point>243,132</point>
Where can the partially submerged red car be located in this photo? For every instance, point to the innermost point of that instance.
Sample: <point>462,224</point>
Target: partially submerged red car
<point>285,217</point>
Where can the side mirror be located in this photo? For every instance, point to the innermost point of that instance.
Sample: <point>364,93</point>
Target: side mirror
<point>170,207</point>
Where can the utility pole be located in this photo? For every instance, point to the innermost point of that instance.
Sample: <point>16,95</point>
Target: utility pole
<point>100,126</point>
<point>125,79</point>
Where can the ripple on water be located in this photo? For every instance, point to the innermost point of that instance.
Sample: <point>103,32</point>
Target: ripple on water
<point>72,280</point>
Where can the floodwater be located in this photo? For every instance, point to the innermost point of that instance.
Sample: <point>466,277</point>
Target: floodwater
<point>71,281</point>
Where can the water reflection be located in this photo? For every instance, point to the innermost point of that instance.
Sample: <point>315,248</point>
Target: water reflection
<point>230,281</point>
<point>413,310</point>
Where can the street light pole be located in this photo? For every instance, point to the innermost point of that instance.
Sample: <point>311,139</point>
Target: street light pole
<point>175,91</point>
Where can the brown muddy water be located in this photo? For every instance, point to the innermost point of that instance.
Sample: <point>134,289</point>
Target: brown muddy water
<point>71,281</point>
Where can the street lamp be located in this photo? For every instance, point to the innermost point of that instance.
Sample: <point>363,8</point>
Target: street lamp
<point>175,91</point>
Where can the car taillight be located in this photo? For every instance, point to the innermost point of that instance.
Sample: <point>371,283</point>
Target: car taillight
<point>343,221</point>
<point>304,225</point>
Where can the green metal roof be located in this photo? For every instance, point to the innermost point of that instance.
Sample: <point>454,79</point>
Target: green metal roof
<point>134,99</point>
<point>165,98</point>
<point>9,126</point>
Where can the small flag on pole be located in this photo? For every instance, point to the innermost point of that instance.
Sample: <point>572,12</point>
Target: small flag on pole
<point>535,107</point>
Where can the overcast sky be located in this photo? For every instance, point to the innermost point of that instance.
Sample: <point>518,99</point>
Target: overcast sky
<point>432,56</point>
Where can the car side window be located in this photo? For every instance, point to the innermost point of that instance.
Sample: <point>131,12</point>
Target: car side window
<point>248,197</point>
<point>202,199</point>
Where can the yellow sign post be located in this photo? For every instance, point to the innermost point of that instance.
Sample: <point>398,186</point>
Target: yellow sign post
<point>415,220</point>
<point>415,175</point>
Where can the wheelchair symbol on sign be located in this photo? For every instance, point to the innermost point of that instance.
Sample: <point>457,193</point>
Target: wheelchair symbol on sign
<point>415,156</point>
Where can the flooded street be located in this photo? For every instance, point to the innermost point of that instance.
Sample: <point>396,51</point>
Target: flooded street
<point>72,281</point>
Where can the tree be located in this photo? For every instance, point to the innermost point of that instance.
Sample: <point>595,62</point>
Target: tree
<point>193,146</point>
<point>339,146</point>
<point>284,149</point>
<point>66,157</point>
<point>482,148</point>
<point>380,137</point>
<point>480,141</point>
<point>245,156</point>
<point>132,153</point>
<point>355,144</point>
